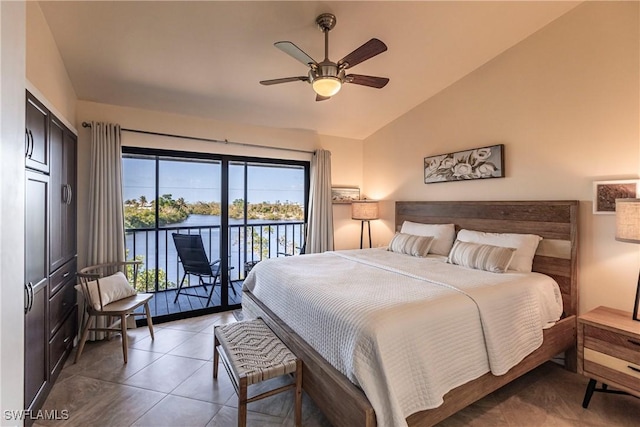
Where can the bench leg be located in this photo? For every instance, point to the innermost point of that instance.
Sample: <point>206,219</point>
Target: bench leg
<point>298,407</point>
<point>242,403</point>
<point>215,357</point>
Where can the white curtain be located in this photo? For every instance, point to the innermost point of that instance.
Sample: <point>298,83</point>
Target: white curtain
<point>106,216</point>
<point>320,224</point>
<point>106,211</point>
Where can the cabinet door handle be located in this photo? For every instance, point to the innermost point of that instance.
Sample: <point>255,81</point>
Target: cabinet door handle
<point>70,194</point>
<point>32,143</point>
<point>65,192</point>
<point>27,141</point>
<point>29,144</point>
<point>32,297</point>
<point>29,302</point>
<point>27,296</point>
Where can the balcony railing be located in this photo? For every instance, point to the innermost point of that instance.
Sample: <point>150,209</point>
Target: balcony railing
<point>161,269</point>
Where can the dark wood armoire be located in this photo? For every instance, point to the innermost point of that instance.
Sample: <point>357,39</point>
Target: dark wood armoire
<point>50,250</point>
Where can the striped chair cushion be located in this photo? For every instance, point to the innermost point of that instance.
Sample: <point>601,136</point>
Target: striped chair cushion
<point>495,259</point>
<point>411,245</point>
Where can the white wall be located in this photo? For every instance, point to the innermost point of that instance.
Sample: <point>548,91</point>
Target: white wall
<point>12,76</point>
<point>46,72</point>
<point>564,102</point>
<point>346,154</point>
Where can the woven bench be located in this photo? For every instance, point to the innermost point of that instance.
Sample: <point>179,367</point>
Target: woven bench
<point>252,353</point>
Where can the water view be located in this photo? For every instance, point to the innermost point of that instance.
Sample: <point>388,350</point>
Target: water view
<point>251,242</point>
<point>261,225</point>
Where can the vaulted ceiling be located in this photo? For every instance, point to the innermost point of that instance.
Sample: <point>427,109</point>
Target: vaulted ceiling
<point>206,58</point>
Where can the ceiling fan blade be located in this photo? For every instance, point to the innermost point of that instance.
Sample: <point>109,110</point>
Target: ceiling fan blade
<point>368,50</point>
<point>295,52</point>
<point>322,98</point>
<point>371,81</point>
<point>284,80</point>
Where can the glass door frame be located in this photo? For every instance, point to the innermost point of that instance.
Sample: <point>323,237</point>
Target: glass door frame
<point>225,161</point>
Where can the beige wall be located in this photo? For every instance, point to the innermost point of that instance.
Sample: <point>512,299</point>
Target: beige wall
<point>46,74</point>
<point>346,154</point>
<point>564,102</point>
<point>12,72</point>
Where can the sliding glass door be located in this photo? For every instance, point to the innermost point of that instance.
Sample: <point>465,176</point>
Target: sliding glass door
<point>266,211</point>
<point>165,195</point>
<point>244,210</point>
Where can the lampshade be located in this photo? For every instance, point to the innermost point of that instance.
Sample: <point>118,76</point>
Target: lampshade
<point>327,86</point>
<point>628,220</point>
<point>364,210</point>
<point>628,230</point>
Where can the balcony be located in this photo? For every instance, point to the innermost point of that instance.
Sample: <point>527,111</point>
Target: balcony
<point>162,271</point>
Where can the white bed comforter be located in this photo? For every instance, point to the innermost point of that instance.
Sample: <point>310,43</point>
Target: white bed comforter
<point>407,330</point>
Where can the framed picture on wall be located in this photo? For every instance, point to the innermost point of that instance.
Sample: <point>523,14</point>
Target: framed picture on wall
<point>605,194</point>
<point>478,163</point>
<point>344,194</point>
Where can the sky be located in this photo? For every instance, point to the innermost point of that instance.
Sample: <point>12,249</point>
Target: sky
<point>200,181</point>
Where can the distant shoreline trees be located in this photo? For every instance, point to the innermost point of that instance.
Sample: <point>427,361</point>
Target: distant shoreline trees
<point>139,213</point>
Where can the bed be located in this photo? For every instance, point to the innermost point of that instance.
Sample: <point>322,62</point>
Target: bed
<point>344,403</point>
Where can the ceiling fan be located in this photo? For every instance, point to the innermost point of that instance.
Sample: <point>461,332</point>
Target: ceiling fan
<point>327,77</point>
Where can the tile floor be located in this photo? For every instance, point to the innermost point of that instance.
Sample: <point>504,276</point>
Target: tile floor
<point>168,382</point>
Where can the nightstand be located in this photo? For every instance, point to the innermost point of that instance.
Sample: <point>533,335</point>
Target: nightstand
<point>609,351</point>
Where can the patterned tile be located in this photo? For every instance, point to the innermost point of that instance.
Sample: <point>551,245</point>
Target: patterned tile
<point>229,417</point>
<point>169,382</point>
<point>199,346</point>
<point>179,411</point>
<point>92,402</point>
<point>165,340</point>
<point>201,386</point>
<point>165,374</point>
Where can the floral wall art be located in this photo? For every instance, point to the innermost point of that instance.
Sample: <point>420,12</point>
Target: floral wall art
<point>478,163</point>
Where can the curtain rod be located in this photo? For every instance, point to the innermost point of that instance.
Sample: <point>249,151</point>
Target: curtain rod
<point>195,138</point>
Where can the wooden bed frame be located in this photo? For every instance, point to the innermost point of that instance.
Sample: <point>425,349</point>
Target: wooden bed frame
<point>344,404</point>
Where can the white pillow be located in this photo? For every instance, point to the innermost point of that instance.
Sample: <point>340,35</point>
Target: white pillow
<point>443,235</point>
<point>112,288</point>
<point>495,259</point>
<point>410,245</point>
<point>524,244</point>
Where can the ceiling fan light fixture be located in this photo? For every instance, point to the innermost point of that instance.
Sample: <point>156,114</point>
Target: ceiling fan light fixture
<point>326,77</point>
<point>327,86</point>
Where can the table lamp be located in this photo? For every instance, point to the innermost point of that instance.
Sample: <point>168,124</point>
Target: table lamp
<point>628,230</point>
<point>365,211</point>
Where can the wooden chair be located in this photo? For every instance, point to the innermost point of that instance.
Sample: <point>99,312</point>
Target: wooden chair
<point>119,309</point>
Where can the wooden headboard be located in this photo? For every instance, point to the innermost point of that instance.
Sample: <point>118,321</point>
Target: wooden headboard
<point>555,221</point>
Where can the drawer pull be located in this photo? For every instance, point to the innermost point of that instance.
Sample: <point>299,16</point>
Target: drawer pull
<point>66,340</point>
<point>66,274</point>
<point>634,342</point>
<point>633,368</point>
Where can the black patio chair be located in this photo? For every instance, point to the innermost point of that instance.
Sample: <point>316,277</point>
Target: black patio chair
<point>195,262</point>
